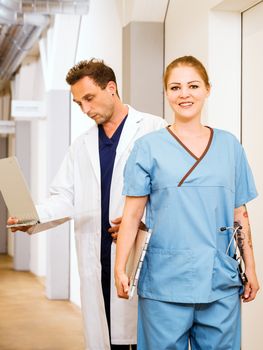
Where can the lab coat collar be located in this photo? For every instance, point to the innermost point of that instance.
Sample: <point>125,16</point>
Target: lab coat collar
<point>130,129</point>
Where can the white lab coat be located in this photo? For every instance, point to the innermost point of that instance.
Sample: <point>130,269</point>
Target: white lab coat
<point>76,191</point>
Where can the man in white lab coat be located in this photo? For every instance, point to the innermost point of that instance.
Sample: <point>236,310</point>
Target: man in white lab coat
<point>88,187</point>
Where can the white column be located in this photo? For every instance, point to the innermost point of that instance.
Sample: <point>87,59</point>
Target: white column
<point>3,211</point>
<point>58,131</point>
<point>22,239</point>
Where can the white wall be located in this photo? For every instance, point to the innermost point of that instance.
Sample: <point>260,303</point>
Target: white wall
<point>186,33</point>
<point>101,36</point>
<point>224,66</point>
<point>214,38</point>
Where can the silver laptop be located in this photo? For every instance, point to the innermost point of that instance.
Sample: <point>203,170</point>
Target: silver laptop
<point>17,196</point>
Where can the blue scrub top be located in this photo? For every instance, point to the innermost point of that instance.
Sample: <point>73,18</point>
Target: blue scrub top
<point>190,198</point>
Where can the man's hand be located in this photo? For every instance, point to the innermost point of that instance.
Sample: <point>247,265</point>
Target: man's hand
<point>114,229</point>
<point>15,221</point>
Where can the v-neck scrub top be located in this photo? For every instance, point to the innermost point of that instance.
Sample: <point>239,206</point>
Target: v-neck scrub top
<point>190,199</point>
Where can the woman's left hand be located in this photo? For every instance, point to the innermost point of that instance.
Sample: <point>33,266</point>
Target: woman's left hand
<point>122,284</point>
<point>251,287</point>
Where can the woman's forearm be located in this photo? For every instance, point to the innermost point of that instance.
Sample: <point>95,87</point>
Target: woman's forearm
<point>133,212</point>
<point>132,215</point>
<point>245,241</point>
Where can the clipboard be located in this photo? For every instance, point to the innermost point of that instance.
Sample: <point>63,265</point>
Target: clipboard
<point>136,257</point>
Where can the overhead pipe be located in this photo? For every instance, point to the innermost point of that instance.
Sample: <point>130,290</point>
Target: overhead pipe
<point>24,21</point>
<point>53,7</point>
<point>17,49</point>
<point>3,33</point>
<point>8,11</point>
<point>7,16</point>
<point>22,41</point>
<point>12,5</point>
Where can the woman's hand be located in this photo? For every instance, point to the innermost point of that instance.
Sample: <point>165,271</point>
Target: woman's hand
<point>122,284</point>
<point>251,287</point>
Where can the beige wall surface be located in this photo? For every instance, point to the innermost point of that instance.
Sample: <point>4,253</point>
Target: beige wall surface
<point>252,128</point>
<point>142,66</point>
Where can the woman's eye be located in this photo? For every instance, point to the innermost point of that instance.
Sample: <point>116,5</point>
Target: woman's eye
<point>175,88</point>
<point>194,86</point>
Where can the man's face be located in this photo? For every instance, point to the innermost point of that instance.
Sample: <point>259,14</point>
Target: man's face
<point>97,103</point>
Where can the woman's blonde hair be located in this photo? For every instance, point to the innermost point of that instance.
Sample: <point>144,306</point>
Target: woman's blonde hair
<point>189,61</point>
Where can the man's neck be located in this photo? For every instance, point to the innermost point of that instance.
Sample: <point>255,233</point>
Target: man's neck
<point>119,114</point>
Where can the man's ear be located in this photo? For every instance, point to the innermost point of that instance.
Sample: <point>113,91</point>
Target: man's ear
<point>111,87</point>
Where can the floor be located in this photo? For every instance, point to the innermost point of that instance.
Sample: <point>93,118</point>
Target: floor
<point>28,320</point>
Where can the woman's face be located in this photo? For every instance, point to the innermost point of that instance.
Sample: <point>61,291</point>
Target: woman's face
<point>186,93</point>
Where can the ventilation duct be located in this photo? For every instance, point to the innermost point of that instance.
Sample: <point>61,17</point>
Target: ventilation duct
<point>21,24</point>
<point>55,6</point>
<point>8,11</point>
<point>16,41</point>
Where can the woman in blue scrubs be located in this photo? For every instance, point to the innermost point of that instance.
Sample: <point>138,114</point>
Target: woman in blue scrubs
<point>194,181</point>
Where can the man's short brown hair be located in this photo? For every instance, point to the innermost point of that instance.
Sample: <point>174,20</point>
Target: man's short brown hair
<point>95,69</point>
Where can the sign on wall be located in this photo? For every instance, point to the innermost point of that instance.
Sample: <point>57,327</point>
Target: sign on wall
<point>28,109</point>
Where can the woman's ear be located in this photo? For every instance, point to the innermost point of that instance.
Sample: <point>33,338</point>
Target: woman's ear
<point>208,88</point>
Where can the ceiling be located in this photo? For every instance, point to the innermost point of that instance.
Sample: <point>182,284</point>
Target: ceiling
<point>21,24</point>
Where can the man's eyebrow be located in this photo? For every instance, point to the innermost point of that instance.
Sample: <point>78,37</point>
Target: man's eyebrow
<point>83,97</point>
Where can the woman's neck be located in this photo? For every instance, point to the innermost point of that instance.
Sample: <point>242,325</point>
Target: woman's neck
<point>189,129</point>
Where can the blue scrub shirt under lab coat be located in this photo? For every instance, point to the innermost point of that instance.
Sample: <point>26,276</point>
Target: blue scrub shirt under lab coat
<point>190,198</point>
<point>107,152</point>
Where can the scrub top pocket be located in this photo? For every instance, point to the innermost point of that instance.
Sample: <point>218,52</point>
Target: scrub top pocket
<point>167,274</point>
<point>225,272</point>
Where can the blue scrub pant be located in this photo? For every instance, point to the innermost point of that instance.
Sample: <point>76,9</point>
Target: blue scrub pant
<point>171,326</point>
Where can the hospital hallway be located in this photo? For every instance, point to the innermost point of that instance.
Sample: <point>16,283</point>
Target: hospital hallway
<point>28,320</point>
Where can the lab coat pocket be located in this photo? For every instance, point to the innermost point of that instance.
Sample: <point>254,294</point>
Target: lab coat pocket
<point>225,272</point>
<point>86,252</point>
<point>167,274</point>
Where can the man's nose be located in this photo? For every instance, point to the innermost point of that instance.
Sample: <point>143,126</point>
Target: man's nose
<point>85,107</point>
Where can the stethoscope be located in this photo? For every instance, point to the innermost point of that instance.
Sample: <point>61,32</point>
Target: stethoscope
<point>237,237</point>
